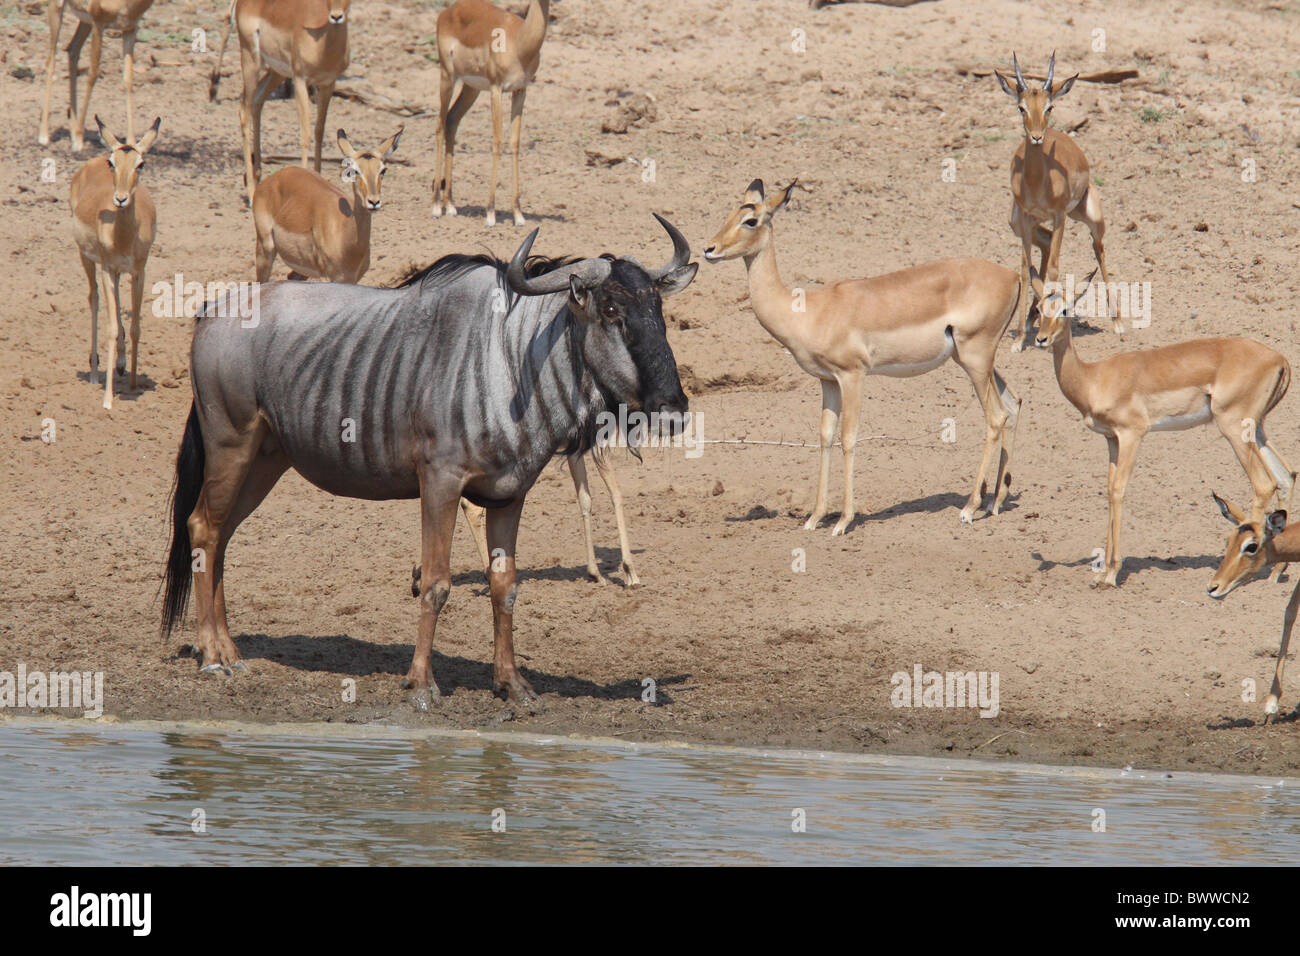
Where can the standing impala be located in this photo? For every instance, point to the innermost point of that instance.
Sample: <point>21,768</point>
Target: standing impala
<point>1050,181</point>
<point>113,221</point>
<point>1232,382</point>
<point>315,227</point>
<point>483,48</point>
<point>94,17</point>
<point>901,324</point>
<point>1253,546</point>
<point>306,40</point>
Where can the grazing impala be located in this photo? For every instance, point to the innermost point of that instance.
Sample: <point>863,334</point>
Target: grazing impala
<point>113,220</point>
<point>305,40</point>
<point>94,17</point>
<point>315,227</point>
<point>1233,382</point>
<point>483,48</point>
<point>1050,181</point>
<point>1252,546</point>
<point>901,324</point>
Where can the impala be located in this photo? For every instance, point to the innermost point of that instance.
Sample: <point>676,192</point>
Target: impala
<point>1252,546</point>
<point>113,221</point>
<point>902,324</point>
<point>1233,382</point>
<point>1050,181</point>
<point>305,40</point>
<point>94,17</point>
<point>481,47</point>
<point>316,228</point>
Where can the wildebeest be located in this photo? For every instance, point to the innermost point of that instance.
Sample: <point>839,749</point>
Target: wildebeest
<point>465,380</point>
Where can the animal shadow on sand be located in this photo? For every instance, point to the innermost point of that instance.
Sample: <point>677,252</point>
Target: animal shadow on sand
<point>931,504</point>
<point>343,654</point>
<point>1133,565</point>
<point>122,391</point>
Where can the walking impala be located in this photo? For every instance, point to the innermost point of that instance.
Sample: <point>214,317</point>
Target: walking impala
<point>317,229</point>
<point>94,17</point>
<point>1233,382</point>
<point>483,48</point>
<point>1253,546</point>
<point>1050,181</point>
<point>113,221</point>
<point>306,40</point>
<point>902,324</point>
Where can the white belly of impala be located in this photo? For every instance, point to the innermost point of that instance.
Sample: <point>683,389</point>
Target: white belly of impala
<point>1187,419</point>
<point>918,364</point>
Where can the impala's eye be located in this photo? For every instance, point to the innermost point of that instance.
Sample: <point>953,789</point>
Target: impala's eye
<point>1249,547</point>
<point>750,223</point>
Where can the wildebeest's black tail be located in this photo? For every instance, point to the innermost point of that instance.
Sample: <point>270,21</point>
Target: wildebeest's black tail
<point>185,495</point>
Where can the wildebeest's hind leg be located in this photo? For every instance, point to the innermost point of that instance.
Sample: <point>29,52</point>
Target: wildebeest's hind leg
<point>502,531</point>
<point>228,461</point>
<point>266,470</point>
<point>438,500</point>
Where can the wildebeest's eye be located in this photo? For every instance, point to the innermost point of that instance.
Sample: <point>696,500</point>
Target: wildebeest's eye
<point>608,310</point>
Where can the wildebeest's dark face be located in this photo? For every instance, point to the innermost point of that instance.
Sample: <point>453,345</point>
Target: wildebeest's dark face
<point>625,342</point>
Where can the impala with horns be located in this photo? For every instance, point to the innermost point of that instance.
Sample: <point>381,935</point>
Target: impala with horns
<point>93,18</point>
<point>902,324</point>
<point>1050,182</point>
<point>302,40</point>
<point>113,221</point>
<point>1234,383</point>
<point>1252,546</point>
<point>318,230</point>
<point>481,47</point>
<point>432,391</point>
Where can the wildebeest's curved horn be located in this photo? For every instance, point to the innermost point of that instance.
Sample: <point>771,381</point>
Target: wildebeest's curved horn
<point>681,250</point>
<point>589,271</point>
<point>1020,79</point>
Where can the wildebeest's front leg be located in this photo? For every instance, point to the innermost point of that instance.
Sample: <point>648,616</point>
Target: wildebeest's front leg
<point>438,499</point>
<point>502,531</point>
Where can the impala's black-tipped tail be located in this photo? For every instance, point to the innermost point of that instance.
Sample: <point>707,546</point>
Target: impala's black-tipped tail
<point>185,495</point>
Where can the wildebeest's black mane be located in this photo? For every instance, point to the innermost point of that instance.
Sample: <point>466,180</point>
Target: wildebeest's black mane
<point>451,267</point>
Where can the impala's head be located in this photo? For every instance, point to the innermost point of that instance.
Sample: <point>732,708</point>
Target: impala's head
<point>1054,313</point>
<point>748,228</point>
<point>338,11</point>
<point>1035,102</point>
<point>1246,551</point>
<point>126,160</point>
<point>618,307</point>
<point>366,167</point>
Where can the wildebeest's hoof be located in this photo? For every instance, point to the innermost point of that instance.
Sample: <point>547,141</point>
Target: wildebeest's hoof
<point>218,668</point>
<point>239,667</point>
<point>423,699</point>
<point>518,691</point>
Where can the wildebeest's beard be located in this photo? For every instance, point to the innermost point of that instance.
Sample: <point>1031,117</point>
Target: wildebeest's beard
<point>625,346</point>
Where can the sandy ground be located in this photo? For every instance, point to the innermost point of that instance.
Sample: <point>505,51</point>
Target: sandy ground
<point>743,648</point>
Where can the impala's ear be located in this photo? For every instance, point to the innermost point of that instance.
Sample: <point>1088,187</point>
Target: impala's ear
<point>779,200</point>
<point>1006,86</point>
<point>150,135</point>
<point>754,194</point>
<point>345,147</point>
<point>387,148</point>
<point>1275,522</point>
<point>1229,511</point>
<point>108,138</point>
<point>1062,88</point>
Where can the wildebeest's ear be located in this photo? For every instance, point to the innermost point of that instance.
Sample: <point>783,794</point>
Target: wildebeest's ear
<point>579,297</point>
<point>677,280</point>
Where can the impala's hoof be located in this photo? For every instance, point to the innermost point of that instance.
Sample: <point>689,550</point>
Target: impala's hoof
<point>811,524</point>
<point>1270,706</point>
<point>491,219</point>
<point>1018,345</point>
<point>219,669</point>
<point>519,219</point>
<point>967,515</point>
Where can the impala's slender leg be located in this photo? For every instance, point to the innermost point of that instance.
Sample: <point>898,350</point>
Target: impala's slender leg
<point>606,470</point>
<point>303,99</point>
<point>112,281</point>
<point>1088,212</point>
<point>502,531</point>
<point>459,108</point>
<point>851,397</point>
<point>1288,622</point>
<point>578,472</point>
<point>74,58</point>
<point>1123,455</point>
<point>228,459</point>
<point>448,90</point>
<point>128,78</point>
<point>54,17</point>
<point>79,124</point>
<point>137,300</point>
<point>1024,229</point>
<point>496,155</point>
<point>1052,267</point>
<point>265,471</point>
<point>995,418</point>
<point>516,127</point>
<point>830,417</point>
<point>256,88</point>
<point>1012,405</point>
<point>89,266</point>
<point>1262,482</point>
<point>476,518</point>
<point>438,500</point>
<point>324,92</point>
